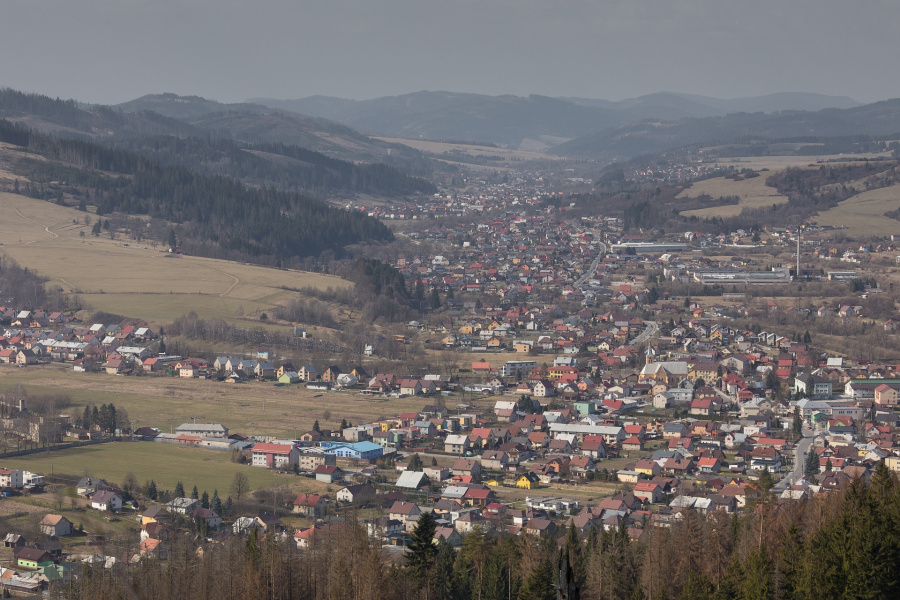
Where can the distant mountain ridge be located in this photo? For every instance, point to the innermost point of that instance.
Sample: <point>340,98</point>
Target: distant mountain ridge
<point>692,105</point>
<point>511,120</point>
<point>877,119</point>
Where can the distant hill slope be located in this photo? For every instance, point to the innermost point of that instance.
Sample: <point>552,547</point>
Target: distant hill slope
<point>217,216</point>
<point>181,116</point>
<point>880,118</point>
<point>505,120</point>
<point>281,166</point>
<point>669,105</point>
<point>67,118</point>
<point>508,120</point>
<point>246,142</point>
<point>256,123</point>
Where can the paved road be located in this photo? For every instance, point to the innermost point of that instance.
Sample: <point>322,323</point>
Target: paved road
<point>796,472</point>
<point>645,335</point>
<point>593,268</point>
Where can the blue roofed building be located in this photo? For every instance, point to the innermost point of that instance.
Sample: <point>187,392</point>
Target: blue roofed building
<point>358,450</point>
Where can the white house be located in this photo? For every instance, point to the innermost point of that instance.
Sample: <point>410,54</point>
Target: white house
<point>107,501</point>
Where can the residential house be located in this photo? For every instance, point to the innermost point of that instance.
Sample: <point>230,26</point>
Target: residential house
<point>56,526</point>
<point>328,473</point>
<point>207,515</point>
<point>464,466</point>
<point>183,506</point>
<point>494,460</point>
<point>311,505</point>
<point>33,558</point>
<point>405,512</point>
<point>648,491</point>
<point>528,481</point>
<point>456,444</point>
<point>356,494</point>
<point>106,500</point>
<point>275,456</point>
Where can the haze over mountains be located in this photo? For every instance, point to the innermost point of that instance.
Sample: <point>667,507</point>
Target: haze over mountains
<point>533,122</point>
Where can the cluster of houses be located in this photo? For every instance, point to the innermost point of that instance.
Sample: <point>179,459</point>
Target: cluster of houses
<point>32,337</point>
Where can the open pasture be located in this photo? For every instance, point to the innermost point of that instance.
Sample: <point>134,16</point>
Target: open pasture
<point>137,279</point>
<point>250,408</point>
<point>863,214</point>
<point>753,192</point>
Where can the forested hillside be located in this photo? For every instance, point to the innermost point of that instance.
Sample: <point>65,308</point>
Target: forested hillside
<point>508,120</point>
<point>880,118</point>
<point>66,118</point>
<point>842,545</point>
<point>255,123</point>
<point>288,168</point>
<point>217,215</point>
<point>183,117</point>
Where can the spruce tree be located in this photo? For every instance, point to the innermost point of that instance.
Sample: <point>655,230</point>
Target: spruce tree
<point>216,503</point>
<point>415,463</point>
<point>151,490</point>
<point>421,552</point>
<point>204,500</point>
<point>194,494</point>
<point>538,584</point>
<point>435,299</point>
<point>812,463</point>
<point>759,579</point>
<point>443,581</point>
<point>179,490</point>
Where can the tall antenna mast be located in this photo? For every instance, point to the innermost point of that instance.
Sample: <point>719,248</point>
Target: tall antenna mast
<point>798,253</point>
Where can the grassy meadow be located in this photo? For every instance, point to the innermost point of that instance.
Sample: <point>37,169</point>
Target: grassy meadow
<point>250,408</point>
<point>863,214</point>
<point>166,464</point>
<point>754,193</point>
<point>138,279</point>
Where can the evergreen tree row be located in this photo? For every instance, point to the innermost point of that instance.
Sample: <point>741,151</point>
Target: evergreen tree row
<point>842,546</point>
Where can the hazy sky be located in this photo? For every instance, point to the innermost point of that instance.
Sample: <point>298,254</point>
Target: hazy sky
<point>110,51</point>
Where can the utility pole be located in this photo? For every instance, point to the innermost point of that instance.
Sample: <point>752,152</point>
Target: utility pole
<point>798,254</point>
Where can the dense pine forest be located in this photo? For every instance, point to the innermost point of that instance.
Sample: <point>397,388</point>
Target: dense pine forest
<point>219,216</point>
<point>288,168</point>
<point>845,544</point>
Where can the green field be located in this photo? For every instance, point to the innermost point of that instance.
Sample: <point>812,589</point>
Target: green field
<point>138,279</point>
<point>863,214</point>
<point>164,463</point>
<point>753,192</point>
<point>252,408</point>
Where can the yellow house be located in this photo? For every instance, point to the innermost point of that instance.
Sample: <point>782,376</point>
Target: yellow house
<point>381,426</point>
<point>703,372</point>
<point>494,342</point>
<point>448,340</point>
<point>494,325</point>
<point>528,481</point>
<point>628,476</point>
<point>492,483</point>
<point>467,329</point>
<point>522,347</point>
<point>152,515</point>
